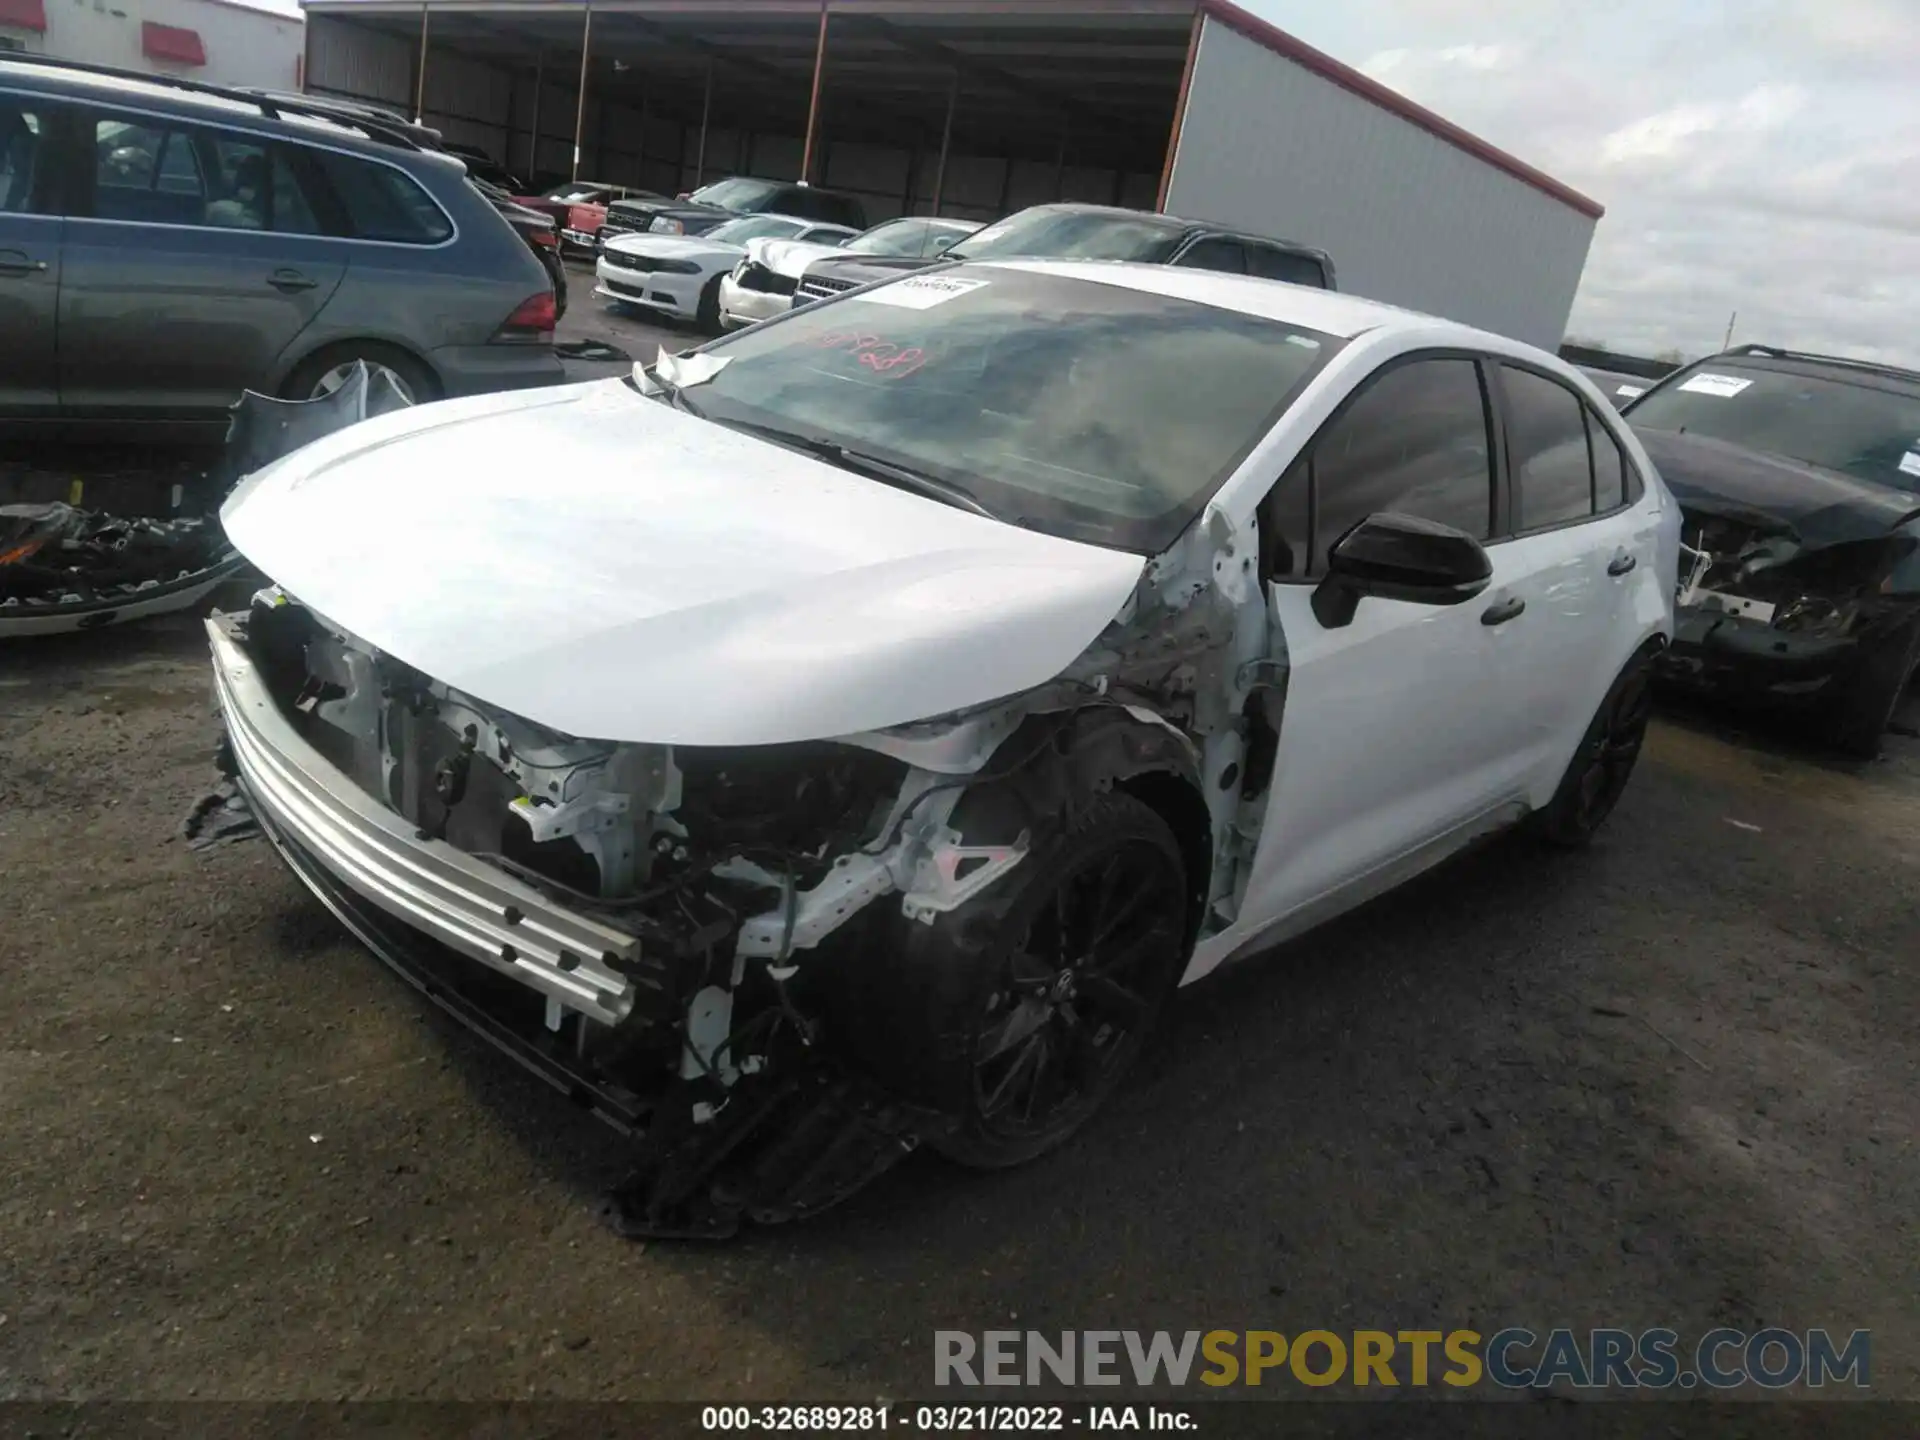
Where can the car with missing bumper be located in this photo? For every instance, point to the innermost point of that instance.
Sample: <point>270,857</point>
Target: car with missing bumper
<point>680,276</point>
<point>1799,479</point>
<point>898,701</point>
<point>763,285</point>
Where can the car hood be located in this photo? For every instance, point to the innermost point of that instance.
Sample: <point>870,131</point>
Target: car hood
<point>1810,503</point>
<point>865,269</point>
<point>674,247</point>
<point>605,565</point>
<point>789,257</point>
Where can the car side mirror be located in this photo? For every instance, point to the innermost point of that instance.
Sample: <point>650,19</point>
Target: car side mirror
<point>1399,557</point>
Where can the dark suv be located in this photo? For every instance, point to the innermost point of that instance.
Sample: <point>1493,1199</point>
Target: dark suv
<point>713,204</point>
<point>1798,478</point>
<point>186,242</point>
<point>1091,232</point>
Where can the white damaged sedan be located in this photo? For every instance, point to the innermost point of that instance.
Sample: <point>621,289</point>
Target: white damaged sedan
<point>679,276</point>
<point>895,702</point>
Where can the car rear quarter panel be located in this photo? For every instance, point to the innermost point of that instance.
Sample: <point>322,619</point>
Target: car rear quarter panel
<point>424,298</point>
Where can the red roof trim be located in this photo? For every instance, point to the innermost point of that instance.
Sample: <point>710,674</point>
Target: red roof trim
<point>24,15</point>
<point>1347,78</point>
<point>170,42</point>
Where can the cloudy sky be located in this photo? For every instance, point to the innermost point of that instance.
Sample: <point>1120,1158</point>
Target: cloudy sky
<point>1753,155</point>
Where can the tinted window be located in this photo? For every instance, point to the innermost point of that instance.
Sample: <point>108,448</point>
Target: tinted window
<point>756,227</point>
<point>382,203</point>
<point>1547,448</point>
<point>842,210</point>
<point>1271,263</point>
<point>187,175</point>
<point>736,193</point>
<point>1097,412</point>
<point>1415,441</point>
<point>22,133</point>
<point>1611,488</point>
<point>1227,255</point>
<point>1868,426</point>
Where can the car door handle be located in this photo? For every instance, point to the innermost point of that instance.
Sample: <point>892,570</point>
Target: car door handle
<point>16,262</point>
<point>1502,611</point>
<point>1621,564</point>
<point>288,281</point>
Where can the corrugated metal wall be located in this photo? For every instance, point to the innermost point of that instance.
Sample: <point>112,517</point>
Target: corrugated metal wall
<point>478,104</point>
<point>1269,145</point>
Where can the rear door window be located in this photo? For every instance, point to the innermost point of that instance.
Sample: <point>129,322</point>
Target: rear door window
<point>152,172</point>
<point>1270,262</point>
<point>1215,253</point>
<point>1547,447</point>
<point>23,147</point>
<point>381,202</point>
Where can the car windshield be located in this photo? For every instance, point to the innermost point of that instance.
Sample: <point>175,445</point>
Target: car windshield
<point>754,227</point>
<point>1862,427</point>
<point>910,238</point>
<point>736,193</point>
<point>1072,235</point>
<point>1090,411</point>
<point>575,194</point>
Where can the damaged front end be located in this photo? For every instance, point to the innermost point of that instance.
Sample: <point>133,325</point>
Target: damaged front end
<point>651,923</point>
<point>1765,613</point>
<point>681,937</point>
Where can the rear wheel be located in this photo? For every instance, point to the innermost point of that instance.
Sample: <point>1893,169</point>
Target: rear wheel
<point>1864,710</point>
<point>1597,776</point>
<point>320,375</point>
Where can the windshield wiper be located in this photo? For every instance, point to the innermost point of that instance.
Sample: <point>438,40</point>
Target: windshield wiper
<point>888,472</point>
<point>674,395</point>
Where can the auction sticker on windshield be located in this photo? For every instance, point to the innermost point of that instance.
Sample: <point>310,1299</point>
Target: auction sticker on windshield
<point>1724,386</point>
<point>922,292</point>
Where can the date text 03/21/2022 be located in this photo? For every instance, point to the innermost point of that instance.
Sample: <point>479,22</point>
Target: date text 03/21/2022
<point>939,1419</point>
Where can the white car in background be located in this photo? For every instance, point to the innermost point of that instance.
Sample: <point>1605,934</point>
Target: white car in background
<point>895,703</point>
<point>763,284</point>
<point>679,275</point>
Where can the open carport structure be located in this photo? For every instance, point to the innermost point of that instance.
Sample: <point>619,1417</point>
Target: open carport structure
<point>978,107</point>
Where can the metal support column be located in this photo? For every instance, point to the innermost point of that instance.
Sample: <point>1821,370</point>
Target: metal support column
<point>580,113</point>
<point>1180,107</point>
<point>946,142</point>
<point>533,140</point>
<point>706,112</point>
<point>420,71</point>
<point>813,105</point>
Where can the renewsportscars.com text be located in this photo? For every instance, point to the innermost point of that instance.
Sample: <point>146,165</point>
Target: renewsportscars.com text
<point>1513,1358</point>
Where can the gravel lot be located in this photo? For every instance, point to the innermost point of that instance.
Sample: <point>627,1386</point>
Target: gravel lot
<point>1671,1081</point>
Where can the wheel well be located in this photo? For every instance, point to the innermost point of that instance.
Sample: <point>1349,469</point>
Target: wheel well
<point>1179,804</point>
<point>372,349</point>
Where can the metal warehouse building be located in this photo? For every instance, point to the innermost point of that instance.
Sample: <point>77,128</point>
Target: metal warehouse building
<point>980,107</point>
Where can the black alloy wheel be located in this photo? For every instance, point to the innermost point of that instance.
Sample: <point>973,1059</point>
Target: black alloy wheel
<point>1604,763</point>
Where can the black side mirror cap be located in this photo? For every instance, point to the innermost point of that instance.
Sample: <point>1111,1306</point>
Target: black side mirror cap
<point>1400,557</point>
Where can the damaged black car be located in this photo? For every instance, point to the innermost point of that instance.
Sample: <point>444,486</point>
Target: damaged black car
<point>1798,477</point>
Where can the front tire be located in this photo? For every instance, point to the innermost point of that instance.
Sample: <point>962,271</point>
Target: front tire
<point>1597,775</point>
<point>708,318</point>
<point>1019,1014</point>
<point>1864,710</point>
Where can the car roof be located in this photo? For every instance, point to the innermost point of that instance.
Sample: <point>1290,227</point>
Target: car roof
<point>327,119</point>
<point>1327,311</point>
<point>1829,367</point>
